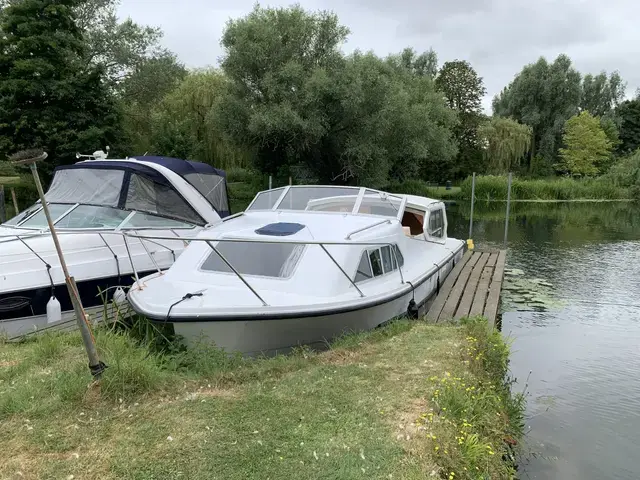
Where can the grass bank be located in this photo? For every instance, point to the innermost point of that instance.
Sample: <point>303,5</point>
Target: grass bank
<point>406,401</point>
<point>494,188</point>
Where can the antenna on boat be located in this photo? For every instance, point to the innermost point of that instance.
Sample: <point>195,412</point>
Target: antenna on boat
<point>30,158</point>
<point>97,155</point>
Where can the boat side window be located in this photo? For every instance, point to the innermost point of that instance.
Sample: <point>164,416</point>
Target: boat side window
<point>436,223</point>
<point>364,268</point>
<point>377,262</point>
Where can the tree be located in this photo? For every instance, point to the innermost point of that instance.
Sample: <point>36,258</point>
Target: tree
<point>301,105</point>
<point>120,47</point>
<point>544,96</point>
<point>425,64</point>
<point>463,89</point>
<point>142,91</point>
<point>601,95</point>
<point>272,58</point>
<point>183,126</point>
<point>506,142</point>
<point>629,114</point>
<point>49,98</point>
<point>587,145</point>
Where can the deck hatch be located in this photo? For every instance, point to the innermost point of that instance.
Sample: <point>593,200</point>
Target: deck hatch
<point>280,229</point>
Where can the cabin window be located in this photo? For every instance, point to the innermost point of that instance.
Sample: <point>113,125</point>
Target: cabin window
<point>376,262</point>
<point>380,261</point>
<point>436,223</point>
<point>262,259</point>
<point>364,269</point>
<point>398,255</point>
<point>386,259</point>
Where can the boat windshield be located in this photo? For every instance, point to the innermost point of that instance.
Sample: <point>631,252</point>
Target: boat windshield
<point>78,216</point>
<point>329,199</point>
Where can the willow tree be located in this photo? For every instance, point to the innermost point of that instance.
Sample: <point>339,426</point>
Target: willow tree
<point>182,123</point>
<point>506,142</point>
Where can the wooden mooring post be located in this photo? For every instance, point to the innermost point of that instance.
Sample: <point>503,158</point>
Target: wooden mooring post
<point>472,288</point>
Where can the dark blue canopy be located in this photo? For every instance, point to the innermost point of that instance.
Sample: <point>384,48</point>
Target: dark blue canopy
<point>182,167</point>
<point>209,181</point>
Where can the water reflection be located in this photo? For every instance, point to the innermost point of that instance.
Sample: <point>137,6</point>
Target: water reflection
<point>581,358</point>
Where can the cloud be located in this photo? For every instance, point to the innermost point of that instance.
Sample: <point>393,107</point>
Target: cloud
<point>498,37</point>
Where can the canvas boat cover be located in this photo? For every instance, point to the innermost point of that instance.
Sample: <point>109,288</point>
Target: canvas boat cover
<point>135,186</point>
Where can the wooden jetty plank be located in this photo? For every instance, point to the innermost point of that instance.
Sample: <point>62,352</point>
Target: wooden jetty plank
<point>492,259</point>
<point>480,297</point>
<point>445,288</point>
<point>493,299</point>
<point>469,292</point>
<point>456,292</point>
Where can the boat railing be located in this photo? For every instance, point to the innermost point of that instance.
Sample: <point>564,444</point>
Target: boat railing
<point>101,234</point>
<point>322,244</point>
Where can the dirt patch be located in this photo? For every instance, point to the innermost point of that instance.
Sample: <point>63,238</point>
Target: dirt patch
<point>341,357</point>
<point>11,363</point>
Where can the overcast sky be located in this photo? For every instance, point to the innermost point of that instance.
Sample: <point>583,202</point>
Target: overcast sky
<point>498,37</point>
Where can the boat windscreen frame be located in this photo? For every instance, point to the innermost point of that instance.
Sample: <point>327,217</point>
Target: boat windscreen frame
<point>121,226</point>
<point>354,211</point>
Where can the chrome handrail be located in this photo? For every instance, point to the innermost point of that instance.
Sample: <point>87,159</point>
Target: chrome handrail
<point>348,237</point>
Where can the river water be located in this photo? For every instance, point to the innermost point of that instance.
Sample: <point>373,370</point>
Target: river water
<point>573,311</point>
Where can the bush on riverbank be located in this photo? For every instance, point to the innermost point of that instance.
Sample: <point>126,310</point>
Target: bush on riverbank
<point>366,407</point>
<point>494,187</point>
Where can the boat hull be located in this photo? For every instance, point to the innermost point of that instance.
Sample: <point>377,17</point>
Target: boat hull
<point>270,336</point>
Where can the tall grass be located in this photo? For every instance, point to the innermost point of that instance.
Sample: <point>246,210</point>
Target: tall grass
<point>493,187</point>
<point>477,420</point>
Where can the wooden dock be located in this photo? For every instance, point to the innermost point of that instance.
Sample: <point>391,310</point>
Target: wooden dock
<point>472,288</point>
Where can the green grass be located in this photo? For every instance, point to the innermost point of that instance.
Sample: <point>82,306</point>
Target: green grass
<point>493,187</point>
<point>369,407</point>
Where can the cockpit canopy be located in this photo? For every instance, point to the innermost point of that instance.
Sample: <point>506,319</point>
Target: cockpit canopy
<point>126,194</point>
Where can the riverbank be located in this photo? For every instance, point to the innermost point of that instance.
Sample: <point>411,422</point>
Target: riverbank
<point>495,188</point>
<point>405,401</point>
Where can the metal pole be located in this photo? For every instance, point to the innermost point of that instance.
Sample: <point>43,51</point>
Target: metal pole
<point>270,182</point>
<point>2,219</point>
<point>95,365</point>
<point>473,200</point>
<point>15,201</point>
<point>506,220</point>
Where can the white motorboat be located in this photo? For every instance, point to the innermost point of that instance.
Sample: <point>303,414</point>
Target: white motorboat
<point>93,202</point>
<point>302,265</point>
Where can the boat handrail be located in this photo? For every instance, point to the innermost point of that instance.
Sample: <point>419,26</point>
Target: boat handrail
<point>321,243</point>
<point>22,239</point>
<point>359,230</point>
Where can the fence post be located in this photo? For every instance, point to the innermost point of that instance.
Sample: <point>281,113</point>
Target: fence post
<point>2,219</point>
<point>506,220</point>
<point>473,199</point>
<point>15,201</point>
